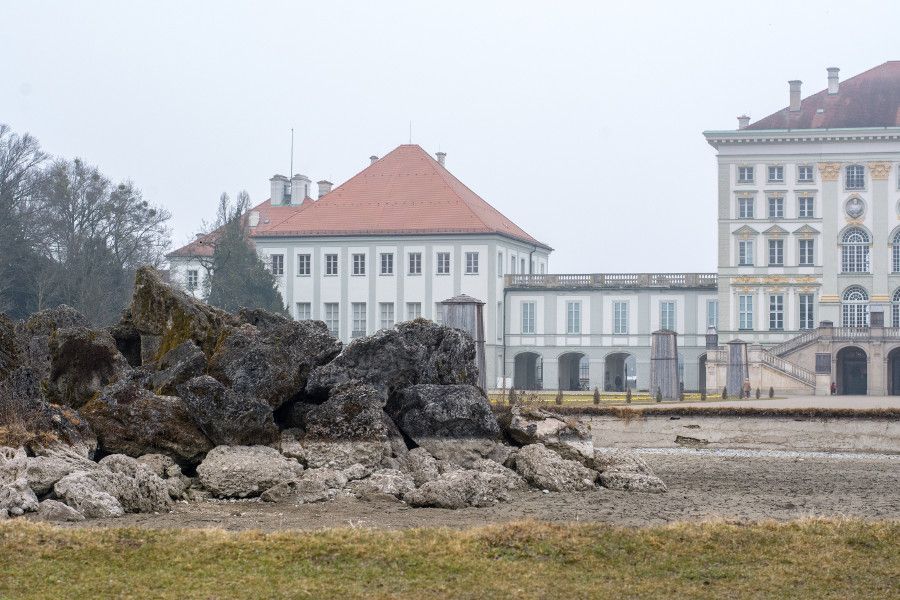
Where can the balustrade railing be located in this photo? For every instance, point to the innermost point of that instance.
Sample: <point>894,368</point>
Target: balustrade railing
<point>789,368</point>
<point>613,280</point>
<point>795,342</point>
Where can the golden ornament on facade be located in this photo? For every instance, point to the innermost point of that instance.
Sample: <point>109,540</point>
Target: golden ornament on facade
<point>830,171</point>
<point>880,170</point>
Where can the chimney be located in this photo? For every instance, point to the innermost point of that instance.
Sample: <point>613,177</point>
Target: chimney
<point>372,159</point>
<point>833,80</point>
<point>743,121</point>
<point>300,185</point>
<point>795,94</point>
<point>278,182</point>
<point>253,220</point>
<point>324,187</point>
<point>441,157</point>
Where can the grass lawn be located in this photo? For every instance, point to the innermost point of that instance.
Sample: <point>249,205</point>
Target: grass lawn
<point>805,559</point>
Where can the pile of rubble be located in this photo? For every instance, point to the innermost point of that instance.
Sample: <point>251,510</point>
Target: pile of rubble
<point>182,401</point>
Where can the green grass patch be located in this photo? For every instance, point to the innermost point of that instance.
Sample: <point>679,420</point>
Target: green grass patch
<point>802,559</point>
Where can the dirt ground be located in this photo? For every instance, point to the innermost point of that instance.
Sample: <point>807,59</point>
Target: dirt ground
<point>735,485</point>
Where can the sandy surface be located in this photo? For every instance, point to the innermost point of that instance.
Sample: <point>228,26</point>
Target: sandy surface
<point>737,485</point>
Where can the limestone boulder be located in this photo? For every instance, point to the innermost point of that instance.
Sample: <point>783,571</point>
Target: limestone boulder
<point>626,471</point>
<point>87,495</point>
<point>16,497</point>
<point>270,357</point>
<point>460,489</point>
<point>172,316</point>
<point>225,416</point>
<point>333,454</point>
<point>56,511</point>
<point>141,490</point>
<point>34,335</point>
<point>452,422</point>
<point>314,485</point>
<point>421,466</point>
<point>82,362</point>
<point>131,420</point>
<point>183,362</point>
<point>568,437</point>
<point>244,471</point>
<point>412,352</point>
<point>547,470</point>
<point>353,411</point>
<point>514,481</point>
<point>390,482</point>
<point>52,464</point>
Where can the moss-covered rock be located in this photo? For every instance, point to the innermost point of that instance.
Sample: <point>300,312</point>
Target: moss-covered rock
<point>82,362</point>
<point>160,309</point>
<point>9,348</point>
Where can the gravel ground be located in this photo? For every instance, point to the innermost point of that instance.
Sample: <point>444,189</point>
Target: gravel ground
<point>729,484</point>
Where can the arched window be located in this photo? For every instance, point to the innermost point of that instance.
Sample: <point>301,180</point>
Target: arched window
<point>855,307</point>
<point>895,309</point>
<point>855,177</point>
<point>855,251</point>
<point>895,254</point>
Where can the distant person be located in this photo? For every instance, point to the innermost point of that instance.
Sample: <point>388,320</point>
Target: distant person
<point>746,388</point>
<point>833,388</point>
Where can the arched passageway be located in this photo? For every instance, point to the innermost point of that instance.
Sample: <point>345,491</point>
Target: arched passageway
<point>528,372</point>
<point>620,373</point>
<point>852,371</point>
<point>893,372</point>
<point>574,371</point>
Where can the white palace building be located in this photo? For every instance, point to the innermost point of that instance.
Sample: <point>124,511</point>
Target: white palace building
<point>808,275</point>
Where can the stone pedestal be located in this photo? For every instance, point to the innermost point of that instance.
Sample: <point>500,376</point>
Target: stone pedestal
<point>738,368</point>
<point>467,313</point>
<point>664,365</point>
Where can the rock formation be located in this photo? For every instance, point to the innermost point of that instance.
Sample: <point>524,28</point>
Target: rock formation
<point>184,401</point>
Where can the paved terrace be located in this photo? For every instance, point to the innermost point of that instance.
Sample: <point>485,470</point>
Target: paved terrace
<point>613,281</point>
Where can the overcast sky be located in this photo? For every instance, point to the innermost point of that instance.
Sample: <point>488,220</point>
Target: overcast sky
<point>581,121</point>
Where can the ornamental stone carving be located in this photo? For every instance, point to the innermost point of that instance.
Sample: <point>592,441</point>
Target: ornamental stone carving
<point>880,170</point>
<point>830,171</point>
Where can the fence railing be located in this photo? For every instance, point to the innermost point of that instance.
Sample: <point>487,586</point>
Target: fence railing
<point>614,280</point>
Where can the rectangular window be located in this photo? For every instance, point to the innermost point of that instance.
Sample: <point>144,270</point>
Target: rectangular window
<point>303,265</point>
<point>386,314</point>
<point>895,256</point>
<point>745,312</point>
<point>573,317</point>
<point>806,253</point>
<point>776,207</point>
<point>806,311</point>
<point>855,177</point>
<point>438,314</point>
<point>667,315</point>
<point>712,313</point>
<point>415,263</point>
<point>331,264</point>
<point>528,317</point>
<point>776,174</point>
<point>443,263</point>
<point>776,312</point>
<point>620,317</point>
<point>387,263</point>
<point>471,263</point>
<point>543,268</point>
<point>277,264</point>
<point>512,265</point>
<point>359,264</point>
<point>359,319</point>
<point>745,207</point>
<point>745,174</point>
<point>806,207</point>
<point>745,253</point>
<point>304,311</point>
<point>776,253</point>
<point>333,317</point>
<point>193,279</point>
<point>522,263</point>
<point>413,311</point>
<point>500,264</point>
<point>805,174</point>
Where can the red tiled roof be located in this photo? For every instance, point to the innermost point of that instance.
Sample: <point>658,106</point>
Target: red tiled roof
<point>405,193</point>
<point>870,99</point>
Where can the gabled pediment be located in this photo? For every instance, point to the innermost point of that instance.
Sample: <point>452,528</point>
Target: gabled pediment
<point>807,230</point>
<point>775,230</point>
<point>745,230</point>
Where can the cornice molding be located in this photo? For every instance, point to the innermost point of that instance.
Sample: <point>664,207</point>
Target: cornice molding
<point>759,136</point>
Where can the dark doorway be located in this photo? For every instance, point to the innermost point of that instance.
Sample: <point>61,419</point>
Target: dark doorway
<point>852,369</point>
<point>574,371</point>
<point>528,371</point>
<point>701,379</point>
<point>894,372</point>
